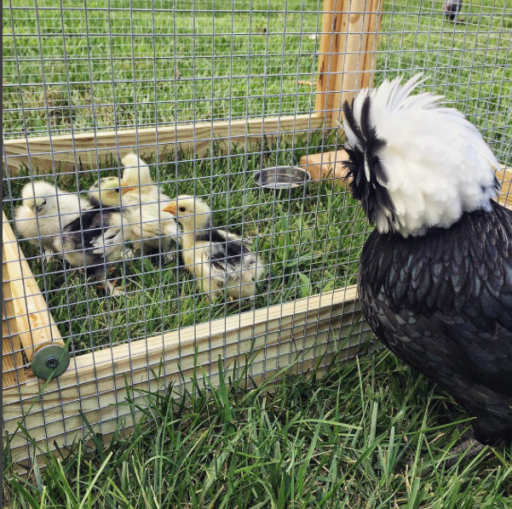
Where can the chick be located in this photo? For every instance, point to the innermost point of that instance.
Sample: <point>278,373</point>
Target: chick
<point>452,9</point>
<point>144,201</point>
<point>218,259</point>
<point>45,211</point>
<point>99,235</point>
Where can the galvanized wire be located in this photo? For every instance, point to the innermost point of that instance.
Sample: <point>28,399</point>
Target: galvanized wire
<point>73,70</point>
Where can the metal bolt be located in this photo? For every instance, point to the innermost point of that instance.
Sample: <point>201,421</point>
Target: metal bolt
<point>52,362</point>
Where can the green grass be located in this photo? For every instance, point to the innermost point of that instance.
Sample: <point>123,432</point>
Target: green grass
<point>369,434</point>
<point>365,434</point>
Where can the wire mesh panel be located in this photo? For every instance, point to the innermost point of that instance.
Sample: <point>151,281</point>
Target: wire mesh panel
<point>139,237</point>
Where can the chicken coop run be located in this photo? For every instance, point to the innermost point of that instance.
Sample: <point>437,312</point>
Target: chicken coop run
<point>202,97</point>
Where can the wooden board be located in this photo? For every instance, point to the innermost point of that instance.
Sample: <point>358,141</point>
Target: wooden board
<point>328,52</point>
<point>267,340</point>
<point>13,369</point>
<point>326,165</point>
<point>330,165</point>
<point>504,175</point>
<point>372,43</point>
<point>349,66</point>
<point>347,53</point>
<point>65,153</point>
<point>34,322</point>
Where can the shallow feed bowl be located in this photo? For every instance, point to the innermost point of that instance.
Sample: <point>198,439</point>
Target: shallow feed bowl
<point>282,177</point>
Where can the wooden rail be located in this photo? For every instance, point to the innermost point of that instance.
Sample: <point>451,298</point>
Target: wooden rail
<point>65,153</point>
<point>266,340</point>
<point>26,306</point>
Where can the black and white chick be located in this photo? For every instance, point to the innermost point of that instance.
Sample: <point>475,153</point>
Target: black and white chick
<point>452,9</point>
<point>44,213</point>
<point>99,236</point>
<point>219,260</point>
<point>435,279</point>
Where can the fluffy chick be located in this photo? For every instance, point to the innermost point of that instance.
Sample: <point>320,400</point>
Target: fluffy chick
<point>99,235</point>
<point>218,259</point>
<point>45,211</point>
<point>144,202</point>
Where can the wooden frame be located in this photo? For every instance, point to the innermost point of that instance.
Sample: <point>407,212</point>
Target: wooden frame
<point>27,324</point>
<point>306,331</point>
<point>303,332</point>
<point>65,153</point>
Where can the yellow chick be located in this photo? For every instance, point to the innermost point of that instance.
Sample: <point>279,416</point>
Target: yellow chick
<point>143,202</point>
<point>218,259</point>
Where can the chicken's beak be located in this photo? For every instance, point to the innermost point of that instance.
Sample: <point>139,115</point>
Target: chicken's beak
<point>171,208</point>
<point>125,190</point>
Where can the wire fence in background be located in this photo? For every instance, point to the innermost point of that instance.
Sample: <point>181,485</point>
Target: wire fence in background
<point>102,74</point>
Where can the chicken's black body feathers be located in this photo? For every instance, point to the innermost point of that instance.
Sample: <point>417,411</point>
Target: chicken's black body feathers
<point>442,302</point>
<point>81,234</point>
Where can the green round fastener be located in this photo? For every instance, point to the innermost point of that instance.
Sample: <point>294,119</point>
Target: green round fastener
<point>50,361</point>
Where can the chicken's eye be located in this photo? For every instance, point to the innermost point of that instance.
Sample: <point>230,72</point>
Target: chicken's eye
<point>182,209</point>
<point>116,190</point>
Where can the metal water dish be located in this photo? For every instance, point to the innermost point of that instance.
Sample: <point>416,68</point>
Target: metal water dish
<point>282,177</point>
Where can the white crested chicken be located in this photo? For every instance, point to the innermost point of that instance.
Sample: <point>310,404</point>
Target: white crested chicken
<point>435,280</point>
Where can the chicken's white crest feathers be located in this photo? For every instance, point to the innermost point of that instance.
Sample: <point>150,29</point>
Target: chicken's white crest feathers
<point>415,164</point>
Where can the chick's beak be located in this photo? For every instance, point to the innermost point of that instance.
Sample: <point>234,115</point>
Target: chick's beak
<point>125,190</point>
<point>171,208</point>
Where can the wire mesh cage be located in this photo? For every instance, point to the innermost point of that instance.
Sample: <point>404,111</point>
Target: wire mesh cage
<point>143,235</point>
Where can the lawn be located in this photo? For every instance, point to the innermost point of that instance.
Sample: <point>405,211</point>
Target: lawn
<point>369,434</point>
<point>366,433</point>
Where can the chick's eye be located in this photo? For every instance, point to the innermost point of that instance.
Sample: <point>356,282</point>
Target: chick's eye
<point>116,190</point>
<point>182,209</point>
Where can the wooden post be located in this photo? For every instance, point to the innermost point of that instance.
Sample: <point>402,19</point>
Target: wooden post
<point>12,361</point>
<point>350,35</point>
<point>34,323</point>
<point>328,55</point>
<point>347,53</point>
<point>372,42</point>
<point>350,63</point>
